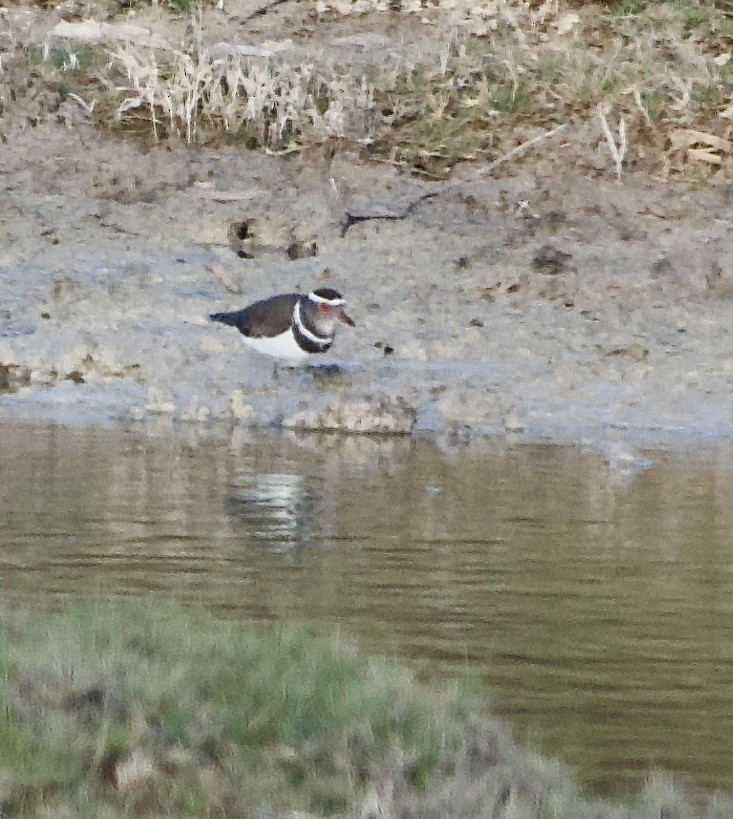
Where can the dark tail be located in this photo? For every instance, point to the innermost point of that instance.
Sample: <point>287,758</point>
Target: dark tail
<point>224,318</point>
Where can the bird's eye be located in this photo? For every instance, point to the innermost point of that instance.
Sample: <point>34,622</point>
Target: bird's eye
<point>324,308</point>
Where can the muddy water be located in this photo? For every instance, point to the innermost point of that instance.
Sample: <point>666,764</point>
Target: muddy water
<point>598,615</point>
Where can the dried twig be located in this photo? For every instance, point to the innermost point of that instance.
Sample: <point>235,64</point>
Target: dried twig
<point>519,149</point>
<point>618,152</point>
<point>640,105</point>
<point>87,107</point>
<point>350,219</point>
<point>487,169</point>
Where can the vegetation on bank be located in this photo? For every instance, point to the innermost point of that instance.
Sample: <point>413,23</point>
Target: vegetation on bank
<point>136,710</point>
<point>651,80</point>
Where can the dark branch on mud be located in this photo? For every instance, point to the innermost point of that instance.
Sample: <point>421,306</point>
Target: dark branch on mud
<point>354,219</point>
<point>351,219</point>
<point>268,7</point>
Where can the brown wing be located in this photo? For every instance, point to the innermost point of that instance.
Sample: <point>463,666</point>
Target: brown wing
<point>268,317</point>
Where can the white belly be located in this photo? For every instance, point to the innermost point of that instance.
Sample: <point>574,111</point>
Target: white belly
<point>283,347</point>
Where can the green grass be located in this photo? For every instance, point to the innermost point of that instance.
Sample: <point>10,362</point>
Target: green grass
<point>135,710</point>
<point>278,718</point>
<point>74,58</point>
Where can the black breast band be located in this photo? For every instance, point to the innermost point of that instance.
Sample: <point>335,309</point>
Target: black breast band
<point>308,344</point>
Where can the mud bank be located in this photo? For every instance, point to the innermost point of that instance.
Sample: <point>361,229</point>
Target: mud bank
<point>550,305</point>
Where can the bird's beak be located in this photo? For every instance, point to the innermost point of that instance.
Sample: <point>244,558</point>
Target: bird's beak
<point>346,319</point>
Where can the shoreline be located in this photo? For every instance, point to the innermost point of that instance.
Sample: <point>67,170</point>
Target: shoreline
<point>555,307</point>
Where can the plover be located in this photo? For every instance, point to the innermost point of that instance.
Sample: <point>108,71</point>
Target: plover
<point>291,328</point>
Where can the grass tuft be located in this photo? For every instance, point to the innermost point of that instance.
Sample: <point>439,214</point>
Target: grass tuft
<point>100,702</point>
<point>127,710</point>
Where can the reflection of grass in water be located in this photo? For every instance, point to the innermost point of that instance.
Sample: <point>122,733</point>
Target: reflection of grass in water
<point>139,711</point>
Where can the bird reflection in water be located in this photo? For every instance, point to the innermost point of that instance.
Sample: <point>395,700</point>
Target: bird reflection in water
<point>277,510</point>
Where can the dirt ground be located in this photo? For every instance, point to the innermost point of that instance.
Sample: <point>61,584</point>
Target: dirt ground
<point>543,298</point>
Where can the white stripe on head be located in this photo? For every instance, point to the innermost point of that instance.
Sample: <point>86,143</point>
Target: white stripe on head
<point>314,297</point>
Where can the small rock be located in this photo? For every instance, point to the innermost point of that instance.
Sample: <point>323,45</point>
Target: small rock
<point>719,281</point>
<point>662,266</point>
<point>12,376</point>
<point>240,235</point>
<point>302,250</point>
<point>636,352</point>
<point>550,260</point>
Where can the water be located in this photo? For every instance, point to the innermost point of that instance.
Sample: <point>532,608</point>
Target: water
<point>597,614</point>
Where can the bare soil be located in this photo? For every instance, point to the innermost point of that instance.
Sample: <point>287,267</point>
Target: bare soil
<point>542,297</point>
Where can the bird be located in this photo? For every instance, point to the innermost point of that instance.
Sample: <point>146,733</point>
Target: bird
<point>291,327</point>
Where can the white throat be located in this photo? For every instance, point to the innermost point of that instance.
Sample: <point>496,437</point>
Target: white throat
<point>298,322</point>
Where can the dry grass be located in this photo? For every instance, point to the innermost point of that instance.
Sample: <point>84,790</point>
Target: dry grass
<point>656,76</point>
<point>197,94</point>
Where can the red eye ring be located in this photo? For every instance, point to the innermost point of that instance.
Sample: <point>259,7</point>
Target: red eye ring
<point>324,308</point>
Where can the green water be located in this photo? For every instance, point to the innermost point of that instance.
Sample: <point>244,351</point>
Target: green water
<point>598,615</point>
